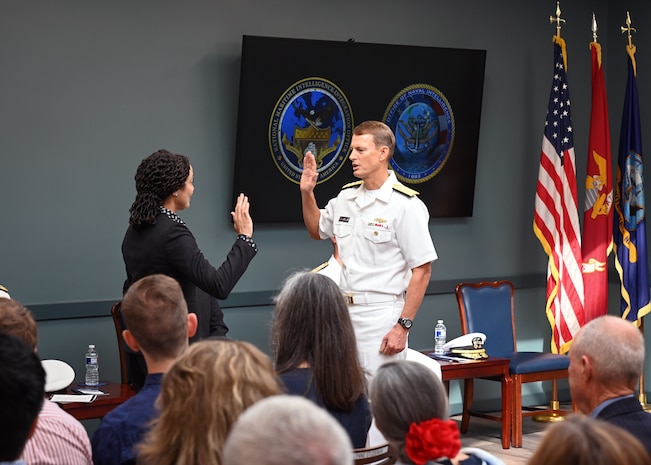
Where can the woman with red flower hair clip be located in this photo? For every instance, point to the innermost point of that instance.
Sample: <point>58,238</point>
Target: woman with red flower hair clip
<point>410,408</point>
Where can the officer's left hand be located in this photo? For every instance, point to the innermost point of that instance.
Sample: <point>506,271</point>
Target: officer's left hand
<point>394,341</point>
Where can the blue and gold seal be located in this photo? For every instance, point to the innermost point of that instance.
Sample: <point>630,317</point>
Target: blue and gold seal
<point>422,120</point>
<point>633,209</point>
<point>313,115</point>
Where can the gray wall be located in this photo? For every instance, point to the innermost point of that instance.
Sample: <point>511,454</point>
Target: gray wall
<point>89,88</point>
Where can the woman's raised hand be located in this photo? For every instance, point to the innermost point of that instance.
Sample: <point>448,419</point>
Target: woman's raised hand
<point>242,222</point>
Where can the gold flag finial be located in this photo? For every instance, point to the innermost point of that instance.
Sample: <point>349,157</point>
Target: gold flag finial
<point>557,19</point>
<point>630,48</point>
<point>594,42</point>
<point>628,29</point>
<point>594,27</point>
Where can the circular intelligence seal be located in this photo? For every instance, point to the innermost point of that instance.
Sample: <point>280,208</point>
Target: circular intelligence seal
<point>421,119</point>
<point>312,115</point>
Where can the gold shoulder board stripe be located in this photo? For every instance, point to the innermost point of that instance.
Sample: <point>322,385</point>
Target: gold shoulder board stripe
<point>405,190</point>
<point>320,267</point>
<point>352,184</point>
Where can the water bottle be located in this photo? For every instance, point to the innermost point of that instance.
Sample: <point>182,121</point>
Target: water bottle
<point>440,333</point>
<point>92,366</point>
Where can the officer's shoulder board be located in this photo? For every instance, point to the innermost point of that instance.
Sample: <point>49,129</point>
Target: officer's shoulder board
<point>352,184</point>
<point>405,190</point>
<point>320,267</point>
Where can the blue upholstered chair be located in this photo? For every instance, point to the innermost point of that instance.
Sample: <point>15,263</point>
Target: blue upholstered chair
<point>487,307</point>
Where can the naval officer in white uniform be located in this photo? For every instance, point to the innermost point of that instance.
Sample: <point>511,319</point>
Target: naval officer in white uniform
<point>381,229</point>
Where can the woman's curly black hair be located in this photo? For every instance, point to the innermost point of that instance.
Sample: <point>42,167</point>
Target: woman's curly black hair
<point>157,177</point>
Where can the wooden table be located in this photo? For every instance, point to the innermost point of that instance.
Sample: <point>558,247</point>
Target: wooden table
<point>489,367</point>
<point>117,393</point>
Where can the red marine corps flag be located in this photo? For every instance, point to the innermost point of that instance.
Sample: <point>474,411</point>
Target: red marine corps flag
<point>556,216</point>
<point>597,215</point>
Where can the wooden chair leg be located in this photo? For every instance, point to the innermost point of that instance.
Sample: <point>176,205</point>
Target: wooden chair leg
<point>468,392</point>
<point>516,423</point>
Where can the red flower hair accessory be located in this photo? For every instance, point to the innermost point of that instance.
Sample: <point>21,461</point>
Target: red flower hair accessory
<point>432,440</point>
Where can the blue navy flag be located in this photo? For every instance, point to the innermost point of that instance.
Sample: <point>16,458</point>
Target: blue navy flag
<point>629,231</point>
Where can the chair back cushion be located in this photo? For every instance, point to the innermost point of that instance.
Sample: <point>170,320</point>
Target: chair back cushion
<point>488,308</point>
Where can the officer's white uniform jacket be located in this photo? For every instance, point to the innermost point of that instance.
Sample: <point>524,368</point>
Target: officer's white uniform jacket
<point>381,234</point>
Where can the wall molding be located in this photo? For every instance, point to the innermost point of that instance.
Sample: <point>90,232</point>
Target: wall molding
<point>102,308</point>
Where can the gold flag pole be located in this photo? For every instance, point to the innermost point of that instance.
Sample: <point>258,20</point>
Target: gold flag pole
<point>554,404</point>
<point>642,395</point>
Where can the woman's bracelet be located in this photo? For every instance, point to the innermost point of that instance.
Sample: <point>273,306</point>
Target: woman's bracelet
<point>248,240</point>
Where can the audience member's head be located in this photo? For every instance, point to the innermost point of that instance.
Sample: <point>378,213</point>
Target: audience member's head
<point>58,437</point>
<point>312,326</point>
<point>606,361</point>
<point>581,440</point>
<point>287,430</point>
<point>202,395</point>
<point>18,320</point>
<point>404,409</point>
<point>157,318</point>
<point>22,388</point>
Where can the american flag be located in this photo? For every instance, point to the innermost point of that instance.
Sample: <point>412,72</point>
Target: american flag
<point>556,218</point>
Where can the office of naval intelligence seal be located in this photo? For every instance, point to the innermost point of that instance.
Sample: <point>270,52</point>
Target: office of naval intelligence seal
<point>314,115</point>
<point>422,120</point>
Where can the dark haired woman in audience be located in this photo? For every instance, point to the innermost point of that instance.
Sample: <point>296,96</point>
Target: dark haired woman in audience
<point>410,408</point>
<point>315,350</point>
<point>158,241</point>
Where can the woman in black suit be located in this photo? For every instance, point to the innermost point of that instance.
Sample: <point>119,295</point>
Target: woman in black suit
<point>158,241</point>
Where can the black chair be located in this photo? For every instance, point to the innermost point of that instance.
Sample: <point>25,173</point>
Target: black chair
<point>118,323</point>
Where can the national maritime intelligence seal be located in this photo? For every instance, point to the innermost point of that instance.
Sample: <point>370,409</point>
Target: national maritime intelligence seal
<point>421,119</point>
<point>312,115</point>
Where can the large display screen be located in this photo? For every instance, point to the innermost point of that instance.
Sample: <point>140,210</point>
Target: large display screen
<point>298,95</point>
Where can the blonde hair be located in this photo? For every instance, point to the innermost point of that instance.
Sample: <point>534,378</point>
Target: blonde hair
<point>201,396</point>
<point>581,440</point>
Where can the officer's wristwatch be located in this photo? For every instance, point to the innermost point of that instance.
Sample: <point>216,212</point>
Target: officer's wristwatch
<point>405,322</point>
